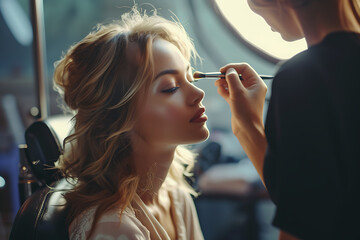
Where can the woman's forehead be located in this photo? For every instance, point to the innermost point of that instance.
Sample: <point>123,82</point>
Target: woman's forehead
<point>167,55</point>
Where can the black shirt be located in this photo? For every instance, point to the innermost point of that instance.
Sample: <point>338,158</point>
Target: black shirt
<point>312,164</point>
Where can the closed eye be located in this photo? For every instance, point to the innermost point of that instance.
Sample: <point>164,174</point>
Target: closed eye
<point>169,90</point>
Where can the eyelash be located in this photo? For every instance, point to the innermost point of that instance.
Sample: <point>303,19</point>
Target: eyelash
<point>170,90</point>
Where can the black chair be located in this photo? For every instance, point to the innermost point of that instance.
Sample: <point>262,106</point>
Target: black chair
<point>44,140</point>
<point>43,214</point>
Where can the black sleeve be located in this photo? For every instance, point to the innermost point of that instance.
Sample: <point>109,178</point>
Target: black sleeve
<point>296,170</point>
<point>312,164</point>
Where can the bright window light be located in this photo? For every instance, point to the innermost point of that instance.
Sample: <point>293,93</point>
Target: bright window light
<point>256,31</point>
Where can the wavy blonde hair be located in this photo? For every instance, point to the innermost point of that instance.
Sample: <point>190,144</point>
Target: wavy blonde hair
<point>102,82</point>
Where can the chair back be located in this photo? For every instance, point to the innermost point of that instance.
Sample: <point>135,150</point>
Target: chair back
<point>43,214</point>
<point>44,141</point>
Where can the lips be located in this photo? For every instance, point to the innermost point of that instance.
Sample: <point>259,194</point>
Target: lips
<point>199,116</point>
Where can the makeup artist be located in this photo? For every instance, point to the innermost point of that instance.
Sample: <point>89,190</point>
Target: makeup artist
<point>307,154</point>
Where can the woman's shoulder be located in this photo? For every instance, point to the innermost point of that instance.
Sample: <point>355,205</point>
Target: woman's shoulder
<point>177,192</point>
<point>111,225</point>
<point>186,211</point>
<point>182,199</point>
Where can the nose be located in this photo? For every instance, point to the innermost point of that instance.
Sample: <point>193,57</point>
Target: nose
<point>195,95</point>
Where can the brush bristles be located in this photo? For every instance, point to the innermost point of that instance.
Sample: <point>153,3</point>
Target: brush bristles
<point>198,75</point>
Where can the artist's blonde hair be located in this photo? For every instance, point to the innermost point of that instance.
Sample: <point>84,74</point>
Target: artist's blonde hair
<point>102,80</point>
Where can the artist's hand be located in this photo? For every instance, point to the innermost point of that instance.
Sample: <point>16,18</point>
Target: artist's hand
<point>246,99</point>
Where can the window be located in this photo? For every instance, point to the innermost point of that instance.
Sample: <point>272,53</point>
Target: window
<point>253,29</point>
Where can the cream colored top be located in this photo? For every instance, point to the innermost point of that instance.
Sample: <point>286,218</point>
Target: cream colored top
<point>138,223</point>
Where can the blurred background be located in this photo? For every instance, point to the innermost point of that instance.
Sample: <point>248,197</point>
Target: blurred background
<point>233,203</point>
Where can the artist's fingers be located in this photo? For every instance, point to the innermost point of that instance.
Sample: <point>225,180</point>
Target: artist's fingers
<point>234,82</point>
<point>231,86</point>
<point>243,68</point>
<point>219,82</point>
<point>222,88</point>
<point>249,75</point>
<point>223,92</point>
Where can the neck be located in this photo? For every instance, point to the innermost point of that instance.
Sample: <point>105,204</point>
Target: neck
<point>152,163</point>
<point>327,17</point>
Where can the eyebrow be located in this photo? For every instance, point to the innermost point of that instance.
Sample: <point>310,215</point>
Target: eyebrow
<point>170,71</point>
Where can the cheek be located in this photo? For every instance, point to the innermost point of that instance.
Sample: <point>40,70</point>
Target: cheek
<point>166,113</point>
<point>168,109</point>
<point>160,115</point>
<point>161,122</point>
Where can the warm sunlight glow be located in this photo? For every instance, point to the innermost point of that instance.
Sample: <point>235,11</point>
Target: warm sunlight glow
<point>256,31</point>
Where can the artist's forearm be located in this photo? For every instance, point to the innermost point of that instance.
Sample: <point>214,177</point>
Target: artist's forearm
<point>254,142</point>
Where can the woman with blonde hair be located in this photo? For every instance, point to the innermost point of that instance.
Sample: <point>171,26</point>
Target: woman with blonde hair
<point>308,152</point>
<point>130,86</point>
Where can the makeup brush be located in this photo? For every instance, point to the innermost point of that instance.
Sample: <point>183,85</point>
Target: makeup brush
<point>199,75</point>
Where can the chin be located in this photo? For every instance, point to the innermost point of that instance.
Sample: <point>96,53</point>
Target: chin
<point>202,136</point>
<point>190,137</point>
<point>291,38</point>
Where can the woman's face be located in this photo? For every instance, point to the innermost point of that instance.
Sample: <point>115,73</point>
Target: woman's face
<point>279,16</point>
<point>172,113</point>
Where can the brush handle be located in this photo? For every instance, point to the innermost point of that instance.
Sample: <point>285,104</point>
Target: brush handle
<point>221,75</point>
<point>266,77</point>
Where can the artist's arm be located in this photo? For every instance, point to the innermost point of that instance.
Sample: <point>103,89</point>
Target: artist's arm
<point>246,99</point>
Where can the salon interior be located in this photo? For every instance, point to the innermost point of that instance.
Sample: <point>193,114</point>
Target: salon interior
<point>233,203</point>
